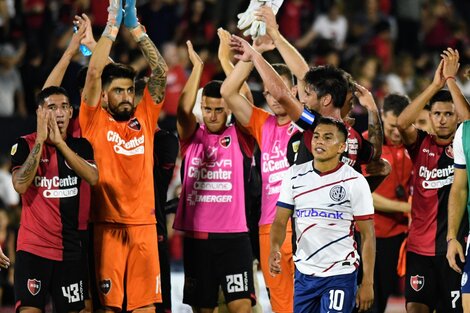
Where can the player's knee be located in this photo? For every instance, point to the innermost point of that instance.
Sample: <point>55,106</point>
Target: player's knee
<point>145,309</point>
<point>413,307</point>
<point>240,306</point>
<point>29,309</point>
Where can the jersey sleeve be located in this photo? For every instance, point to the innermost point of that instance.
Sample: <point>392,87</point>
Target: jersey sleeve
<point>255,125</point>
<point>459,156</point>
<point>413,149</point>
<point>361,199</point>
<point>89,119</point>
<point>307,120</point>
<point>19,153</point>
<point>286,198</point>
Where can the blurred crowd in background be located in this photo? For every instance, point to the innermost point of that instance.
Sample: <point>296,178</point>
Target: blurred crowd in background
<point>389,46</point>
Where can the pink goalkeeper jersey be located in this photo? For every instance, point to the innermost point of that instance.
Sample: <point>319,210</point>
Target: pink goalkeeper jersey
<point>272,139</point>
<point>212,197</point>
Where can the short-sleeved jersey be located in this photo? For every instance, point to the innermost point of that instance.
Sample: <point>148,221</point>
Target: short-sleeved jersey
<point>272,139</point>
<point>461,154</point>
<point>433,167</point>
<point>124,155</point>
<point>213,197</point>
<point>54,202</point>
<point>325,206</point>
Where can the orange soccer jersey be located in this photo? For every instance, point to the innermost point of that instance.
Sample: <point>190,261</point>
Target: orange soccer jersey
<point>124,156</point>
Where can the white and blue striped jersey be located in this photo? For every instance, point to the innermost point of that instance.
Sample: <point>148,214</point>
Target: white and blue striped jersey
<point>325,206</point>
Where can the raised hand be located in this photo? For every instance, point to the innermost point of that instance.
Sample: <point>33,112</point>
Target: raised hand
<point>193,56</point>
<point>451,63</point>
<point>265,14</point>
<point>78,35</point>
<point>83,21</point>
<point>244,51</point>
<point>439,79</point>
<point>130,14</point>
<point>225,53</point>
<point>365,97</point>
<point>114,19</point>
<point>263,44</point>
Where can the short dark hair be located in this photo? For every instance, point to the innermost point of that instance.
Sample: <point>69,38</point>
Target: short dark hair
<point>395,103</point>
<point>47,92</point>
<point>327,79</point>
<point>283,70</point>
<point>440,96</point>
<point>212,89</point>
<point>114,71</point>
<point>337,123</point>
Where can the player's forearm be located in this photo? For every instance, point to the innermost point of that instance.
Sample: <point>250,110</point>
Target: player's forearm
<point>189,93</point>
<point>80,166</point>
<point>241,85</point>
<point>277,236</point>
<point>368,256</point>
<point>389,206</point>
<point>277,88</point>
<point>57,74</point>
<point>461,104</point>
<point>294,60</point>
<point>375,133</point>
<point>23,177</point>
<point>157,80</point>
<point>411,112</point>
<point>456,209</point>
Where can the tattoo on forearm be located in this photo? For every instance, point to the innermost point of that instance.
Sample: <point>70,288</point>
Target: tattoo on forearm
<point>30,165</point>
<point>375,133</point>
<point>157,81</point>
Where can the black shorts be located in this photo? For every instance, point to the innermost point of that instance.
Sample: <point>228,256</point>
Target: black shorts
<point>36,277</point>
<point>220,261</point>
<point>429,280</point>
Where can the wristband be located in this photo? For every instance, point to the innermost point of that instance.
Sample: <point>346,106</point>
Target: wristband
<point>138,33</point>
<point>111,32</point>
<point>450,239</point>
<point>450,77</point>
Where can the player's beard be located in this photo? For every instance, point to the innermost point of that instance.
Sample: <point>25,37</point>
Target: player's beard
<point>121,116</point>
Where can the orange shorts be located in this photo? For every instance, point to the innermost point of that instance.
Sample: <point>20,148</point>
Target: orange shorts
<point>281,287</point>
<point>127,255</point>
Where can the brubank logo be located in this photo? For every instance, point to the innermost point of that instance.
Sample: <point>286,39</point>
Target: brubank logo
<point>131,147</point>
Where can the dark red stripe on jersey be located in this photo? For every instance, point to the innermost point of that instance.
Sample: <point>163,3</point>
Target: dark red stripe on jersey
<point>364,217</point>
<point>324,186</point>
<point>305,231</point>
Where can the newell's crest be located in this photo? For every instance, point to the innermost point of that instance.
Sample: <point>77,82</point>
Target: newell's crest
<point>134,124</point>
<point>337,193</point>
<point>225,141</point>
<point>34,286</point>
<point>105,286</point>
<point>417,282</point>
<point>450,151</point>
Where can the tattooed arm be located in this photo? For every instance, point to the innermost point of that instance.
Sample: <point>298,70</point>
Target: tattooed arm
<point>376,135</point>
<point>157,80</point>
<point>23,176</point>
